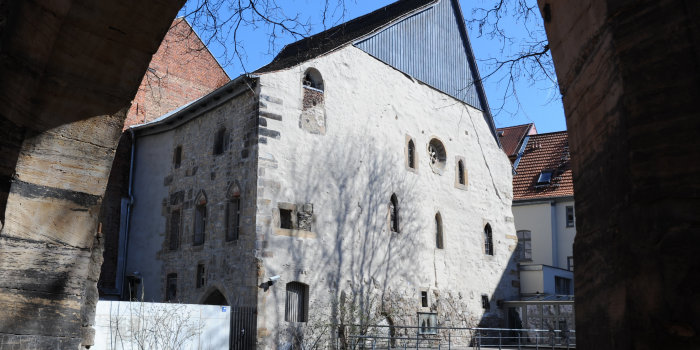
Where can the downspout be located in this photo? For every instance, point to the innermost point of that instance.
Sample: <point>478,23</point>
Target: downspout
<point>129,204</point>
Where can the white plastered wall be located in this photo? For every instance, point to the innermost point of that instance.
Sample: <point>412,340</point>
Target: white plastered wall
<point>349,175</point>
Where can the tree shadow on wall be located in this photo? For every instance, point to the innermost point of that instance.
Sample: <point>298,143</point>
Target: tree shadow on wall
<point>356,261</point>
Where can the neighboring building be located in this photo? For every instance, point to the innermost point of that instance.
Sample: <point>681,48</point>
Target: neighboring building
<point>361,166</point>
<point>543,207</point>
<point>182,70</point>
<point>514,139</point>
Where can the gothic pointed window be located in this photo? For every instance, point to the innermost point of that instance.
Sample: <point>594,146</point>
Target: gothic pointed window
<point>488,240</point>
<point>233,213</point>
<point>411,154</point>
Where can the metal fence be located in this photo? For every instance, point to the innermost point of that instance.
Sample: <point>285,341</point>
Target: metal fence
<point>408,337</point>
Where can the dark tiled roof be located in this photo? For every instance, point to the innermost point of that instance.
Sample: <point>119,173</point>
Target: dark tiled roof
<point>512,136</point>
<point>342,34</point>
<point>544,152</point>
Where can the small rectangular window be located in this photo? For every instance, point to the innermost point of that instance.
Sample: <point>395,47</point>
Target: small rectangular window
<point>171,287</point>
<point>485,302</point>
<point>570,216</point>
<point>424,299</point>
<point>201,279</point>
<point>177,158</point>
<point>286,218</point>
<point>562,286</point>
<point>525,245</point>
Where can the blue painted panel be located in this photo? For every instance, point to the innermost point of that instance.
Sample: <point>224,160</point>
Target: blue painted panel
<point>430,47</point>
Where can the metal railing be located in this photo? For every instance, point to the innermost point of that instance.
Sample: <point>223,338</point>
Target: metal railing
<point>413,337</point>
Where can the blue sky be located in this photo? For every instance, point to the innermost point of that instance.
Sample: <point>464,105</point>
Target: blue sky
<point>539,102</point>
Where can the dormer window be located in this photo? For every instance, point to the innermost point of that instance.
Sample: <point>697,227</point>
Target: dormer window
<point>545,177</point>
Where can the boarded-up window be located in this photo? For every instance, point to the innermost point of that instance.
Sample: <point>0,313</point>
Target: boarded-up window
<point>174,238</point>
<point>233,216</point>
<point>171,287</point>
<point>200,223</point>
<point>297,302</point>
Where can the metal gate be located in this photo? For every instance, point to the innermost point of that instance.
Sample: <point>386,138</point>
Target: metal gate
<point>243,327</point>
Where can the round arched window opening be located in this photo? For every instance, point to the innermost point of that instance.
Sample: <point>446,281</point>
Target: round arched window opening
<point>313,79</point>
<point>436,151</point>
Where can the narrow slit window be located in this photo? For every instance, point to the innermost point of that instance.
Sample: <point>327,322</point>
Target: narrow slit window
<point>488,240</point>
<point>220,141</point>
<point>424,298</point>
<point>570,218</point>
<point>233,217</point>
<point>485,302</point>
<point>460,173</point>
<point>438,231</point>
<point>174,237</point>
<point>177,157</point>
<point>200,222</point>
<point>411,154</point>
<point>201,276</point>
<point>394,213</point>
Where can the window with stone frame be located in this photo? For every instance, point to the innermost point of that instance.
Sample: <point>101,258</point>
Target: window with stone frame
<point>171,287</point>
<point>461,176</point>
<point>175,225</point>
<point>200,220</point>
<point>296,307</point>
<point>488,240</point>
<point>394,213</point>
<point>438,232</point>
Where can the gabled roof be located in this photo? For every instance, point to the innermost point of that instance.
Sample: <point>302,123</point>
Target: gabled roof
<point>512,137</point>
<point>544,152</point>
<point>328,40</point>
<point>426,39</point>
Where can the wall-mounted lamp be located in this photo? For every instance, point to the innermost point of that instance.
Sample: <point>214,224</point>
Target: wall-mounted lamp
<point>266,285</point>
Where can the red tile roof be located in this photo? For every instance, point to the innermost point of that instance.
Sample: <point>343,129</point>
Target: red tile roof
<point>511,137</point>
<point>548,151</point>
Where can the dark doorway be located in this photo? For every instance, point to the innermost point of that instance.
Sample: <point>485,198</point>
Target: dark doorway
<point>215,298</point>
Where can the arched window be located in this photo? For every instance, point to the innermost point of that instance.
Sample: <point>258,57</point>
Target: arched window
<point>438,231</point>
<point>215,297</point>
<point>200,219</point>
<point>460,172</point>
<point>488,240</point>
<point>296,306</point>
<point>313,79</point>
<point>411,154</point>
<point>394,213</point>
<point>437,154</point>
<point>233,213</point>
